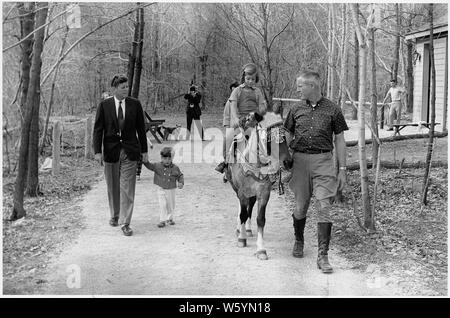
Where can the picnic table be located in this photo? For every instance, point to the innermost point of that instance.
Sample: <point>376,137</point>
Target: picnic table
<point>398,127</point>
<point>154,126</point>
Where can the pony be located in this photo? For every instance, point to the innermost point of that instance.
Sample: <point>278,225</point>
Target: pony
<point>253,168</point>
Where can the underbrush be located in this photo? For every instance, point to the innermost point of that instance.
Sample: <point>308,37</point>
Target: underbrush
<point>408,250</point>
<point>52,220</point>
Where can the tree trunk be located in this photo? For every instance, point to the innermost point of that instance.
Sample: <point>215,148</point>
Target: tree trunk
<point>133,53</point>
<point>26,11</point>
<point>356,75</point>
<point>156,62</point>
<point>138,64</point>
<point>52,92</point>
<point>329,56</point>
<point>373,89</point>
<point>432,110</point>
<point>32,99</point>
<point>332,54</point>
<point>32,184</point>
<point>56,151</point>
<point>344,52</point>
<point>267,62</point>
<point>368,217</point>
<point>203,68</point>
<point>409,77</point>
<point>397,44</point>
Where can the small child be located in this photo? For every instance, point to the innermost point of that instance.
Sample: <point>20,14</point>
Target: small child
<point>166,176</point>
<point>244,99</point>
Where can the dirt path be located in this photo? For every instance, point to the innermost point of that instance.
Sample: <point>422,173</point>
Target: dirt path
<point>198,255</point>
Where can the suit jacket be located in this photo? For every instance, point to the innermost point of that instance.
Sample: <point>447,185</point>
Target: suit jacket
<point>106,130</point>
<point>193,100</point>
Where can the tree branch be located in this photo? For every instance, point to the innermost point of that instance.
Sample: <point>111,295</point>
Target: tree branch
<point>315,27</point>
<point>282,30</point>
<point>89,33</point>
<point>34,31</point>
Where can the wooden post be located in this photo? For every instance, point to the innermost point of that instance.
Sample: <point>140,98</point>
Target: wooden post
<point>88,139</point>
<point>281,109</point>
<point>57,130</point>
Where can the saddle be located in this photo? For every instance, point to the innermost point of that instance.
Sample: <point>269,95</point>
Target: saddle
<point>256,158</point>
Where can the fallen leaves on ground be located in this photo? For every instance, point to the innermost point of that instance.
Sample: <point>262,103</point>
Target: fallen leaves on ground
<point>409,246</point>
<point>52,220</point>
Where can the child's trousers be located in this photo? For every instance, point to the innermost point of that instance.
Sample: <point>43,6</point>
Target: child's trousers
<point>166,198</point>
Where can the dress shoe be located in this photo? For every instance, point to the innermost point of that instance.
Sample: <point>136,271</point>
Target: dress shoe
<point>170,222</point>
<point>113,222</point>
<point>127,230</point>
<point>161,224</point>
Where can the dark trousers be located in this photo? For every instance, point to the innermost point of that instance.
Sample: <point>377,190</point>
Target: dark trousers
<point>196,120</point>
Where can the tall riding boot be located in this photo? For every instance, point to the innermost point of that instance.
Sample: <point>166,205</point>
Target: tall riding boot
<point>324,235</point>
<point>299,228</point>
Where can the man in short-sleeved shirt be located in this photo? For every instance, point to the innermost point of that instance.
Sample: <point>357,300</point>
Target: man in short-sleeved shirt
<point>396,92</point>
<point>313,122</point>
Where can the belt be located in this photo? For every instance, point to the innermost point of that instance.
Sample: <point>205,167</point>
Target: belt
<point>314,152</point>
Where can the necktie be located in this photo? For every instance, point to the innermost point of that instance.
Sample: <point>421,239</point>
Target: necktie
<point>120,117</point>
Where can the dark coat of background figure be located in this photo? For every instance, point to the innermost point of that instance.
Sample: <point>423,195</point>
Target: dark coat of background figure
<point>193,110</point>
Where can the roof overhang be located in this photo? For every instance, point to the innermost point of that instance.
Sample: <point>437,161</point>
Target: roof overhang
<point>423,33</point>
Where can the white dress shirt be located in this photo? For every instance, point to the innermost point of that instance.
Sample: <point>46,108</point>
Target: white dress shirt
<point>116,101</point>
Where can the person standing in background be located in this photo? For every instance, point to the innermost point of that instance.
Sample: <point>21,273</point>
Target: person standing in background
<point>395,111</point>
<point>193,110</point>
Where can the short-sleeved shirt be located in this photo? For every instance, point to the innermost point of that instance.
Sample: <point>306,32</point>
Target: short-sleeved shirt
<point>396,93</point>
<point>313,127</point>
<point>165,177</point>
<point>248,99</point>
<point>226,114</point>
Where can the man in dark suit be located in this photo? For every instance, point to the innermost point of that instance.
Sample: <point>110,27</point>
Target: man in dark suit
<point>119,127</point>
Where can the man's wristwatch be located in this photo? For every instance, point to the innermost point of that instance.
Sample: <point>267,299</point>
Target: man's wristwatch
<point>342,168</point>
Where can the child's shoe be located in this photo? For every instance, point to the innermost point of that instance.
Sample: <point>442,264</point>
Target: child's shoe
<point>161,224</point>
<point>170,222</point>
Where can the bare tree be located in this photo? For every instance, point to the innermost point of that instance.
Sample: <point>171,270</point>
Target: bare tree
<point>409,76</point>
<point>356,72</point>
<point>133,53</point>
<point>426,178</point>
<point>396,43</point>
<point>26,11</point>
<point>373,92</point>
<point>255,26</point>
<point>33,99</point>
<point>368,217</point>
<point>344,56</point>
<point>52,93</point>
<point>136,80</point>
<point>332,51</point>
